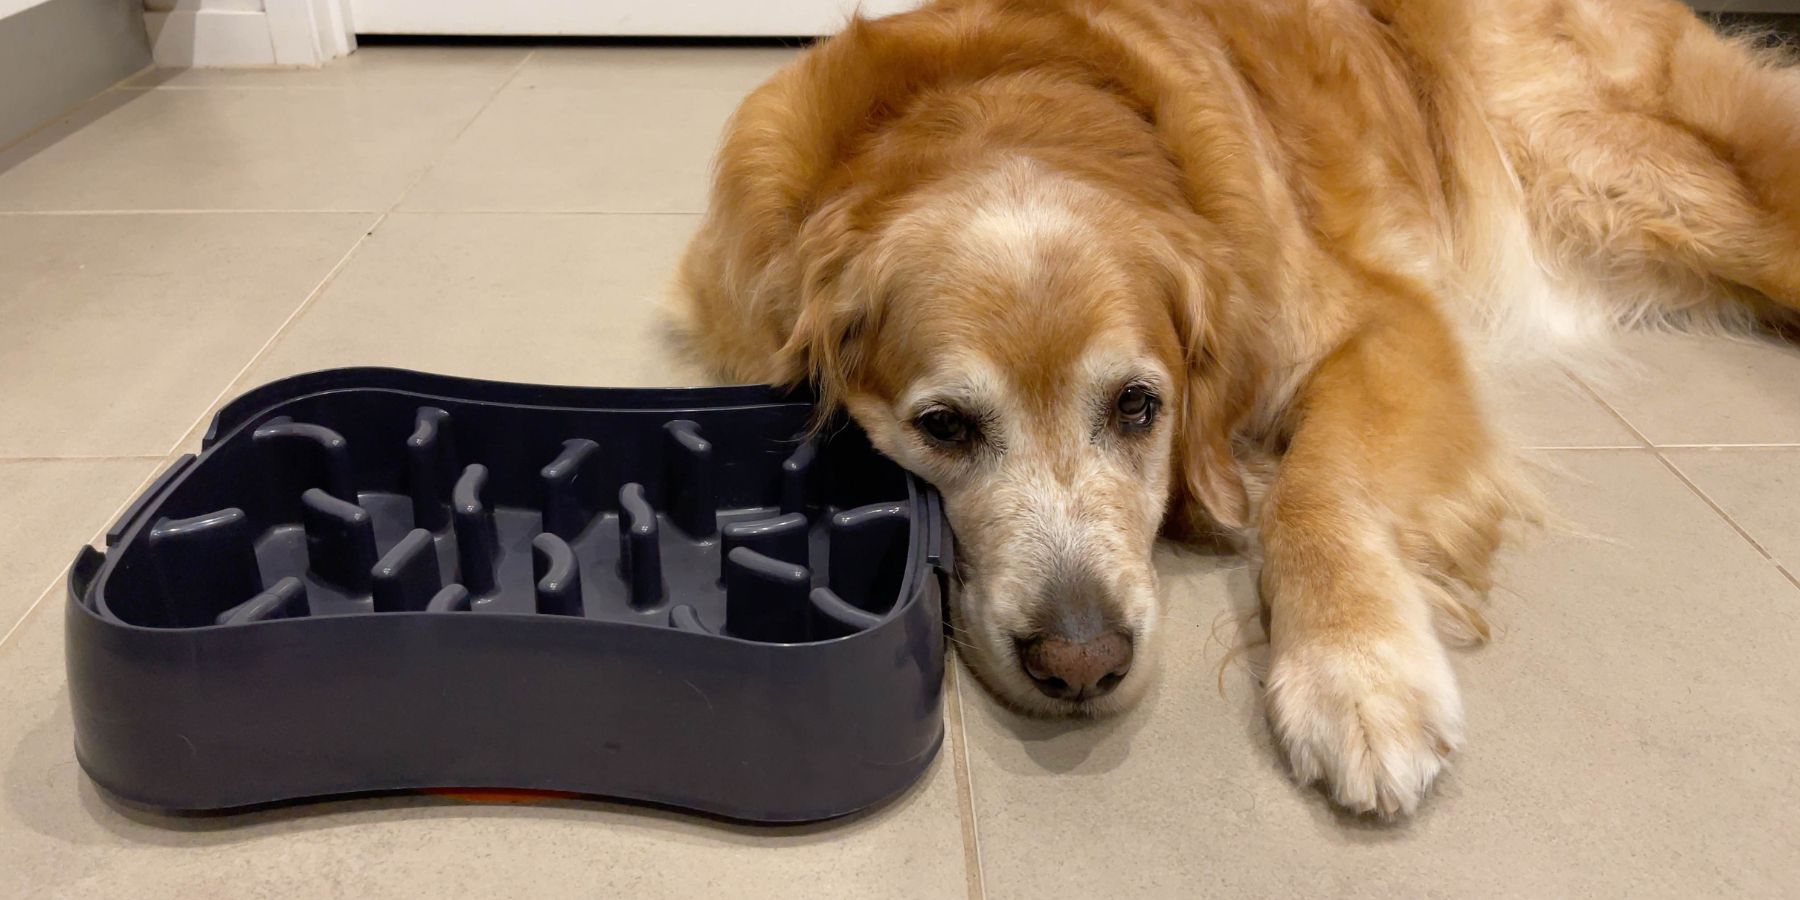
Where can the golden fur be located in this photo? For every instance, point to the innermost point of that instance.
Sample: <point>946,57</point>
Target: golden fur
<point>1284,218</point>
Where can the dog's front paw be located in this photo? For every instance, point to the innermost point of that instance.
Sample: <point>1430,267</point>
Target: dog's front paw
<point>1375,720</point>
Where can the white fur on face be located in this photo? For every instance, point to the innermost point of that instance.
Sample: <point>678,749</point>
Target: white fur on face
<point>1053,495</point>
<point>1010,232</point>
<point>1047,497</point>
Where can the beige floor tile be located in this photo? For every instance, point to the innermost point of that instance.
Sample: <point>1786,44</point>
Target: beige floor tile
<point>117,331</point>
<point>1693,390</point>
<point>236,149</point>
<point>48,508</point>
<point>623,150</point>
<point>565,299</point>
<point>1546,408</point>
<point>1757,488</point>
<point>60,839</point>
<point>1632,732</point>
<point>480,68</point>
<point>720,68</point>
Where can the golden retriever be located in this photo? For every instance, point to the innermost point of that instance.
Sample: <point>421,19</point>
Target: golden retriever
<point>1083,263</point>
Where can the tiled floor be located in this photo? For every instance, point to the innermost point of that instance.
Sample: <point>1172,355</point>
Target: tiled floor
<point>511,213</point>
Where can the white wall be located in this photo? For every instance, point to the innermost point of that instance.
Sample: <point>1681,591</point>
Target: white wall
<point>57,54</point>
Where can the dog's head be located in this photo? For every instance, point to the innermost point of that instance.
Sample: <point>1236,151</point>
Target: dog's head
<point>1060,364</point>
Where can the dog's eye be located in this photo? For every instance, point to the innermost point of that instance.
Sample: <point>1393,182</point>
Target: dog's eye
<point>946,426</point>
<point>1136,408</point>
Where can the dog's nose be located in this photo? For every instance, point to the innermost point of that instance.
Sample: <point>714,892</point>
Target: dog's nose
<point>1070,668</point>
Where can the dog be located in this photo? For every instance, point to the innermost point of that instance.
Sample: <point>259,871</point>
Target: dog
<point>1104,270</point>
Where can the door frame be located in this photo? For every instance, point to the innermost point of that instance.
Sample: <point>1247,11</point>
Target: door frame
<point>220,33</point>
<point>309,32</point>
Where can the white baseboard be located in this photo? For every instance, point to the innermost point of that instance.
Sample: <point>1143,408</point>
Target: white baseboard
<point>210,37</point>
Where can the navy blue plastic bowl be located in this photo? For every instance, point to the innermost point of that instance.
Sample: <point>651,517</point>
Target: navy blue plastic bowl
<point>380,580</point>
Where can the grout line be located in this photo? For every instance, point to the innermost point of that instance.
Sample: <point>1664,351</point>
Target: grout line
<point>675,91</point>
<point>155,471</point>
<point>1745,446</point>
<point>181,212</point>
<point>548,212</point>
<point>1788,575</point>
<point>16,626</point>
<point>479,112</point>
<point>1716,508</point>
<point>1676,472</point>
<point>330,212</point>
<point>302,88</point>
<point>1693,487</point>
<point>306,303</point>
<point>965,788</point>
<point>80,458</point>
<point>331,275</point>
<point>372,84</point>
<point>257,357</point>
<point>97,534</point>
<point>1588,447</point>
<point>1645,441</point>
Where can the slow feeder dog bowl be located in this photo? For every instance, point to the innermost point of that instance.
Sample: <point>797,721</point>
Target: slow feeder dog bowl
<point>377,580</point>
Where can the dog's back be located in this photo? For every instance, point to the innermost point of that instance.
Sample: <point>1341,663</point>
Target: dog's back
<point>1559,166</point>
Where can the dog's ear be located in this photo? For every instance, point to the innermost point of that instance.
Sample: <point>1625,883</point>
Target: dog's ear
<point>1210,473</point>
<point>1221,364</point>
<point>828,339</point>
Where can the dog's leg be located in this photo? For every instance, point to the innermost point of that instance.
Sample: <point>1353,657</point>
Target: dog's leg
<point>1679,152</point>
<point>1387,487</point>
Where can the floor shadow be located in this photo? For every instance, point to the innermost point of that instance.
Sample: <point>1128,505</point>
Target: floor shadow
<point>64,126</point>
<point>1061,746</point>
